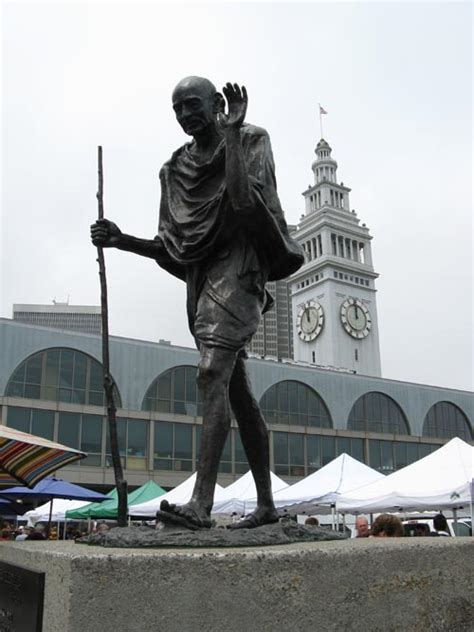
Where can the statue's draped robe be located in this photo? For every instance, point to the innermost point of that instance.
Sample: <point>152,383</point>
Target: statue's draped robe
<point>225,257</point>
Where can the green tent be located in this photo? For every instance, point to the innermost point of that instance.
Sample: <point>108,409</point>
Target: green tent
<point>108,508</point>
<point>83,513</point>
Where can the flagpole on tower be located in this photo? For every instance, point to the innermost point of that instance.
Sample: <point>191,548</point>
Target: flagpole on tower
<point>321,112</point>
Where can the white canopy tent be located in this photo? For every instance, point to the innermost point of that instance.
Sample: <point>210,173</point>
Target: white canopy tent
<point>318,491</point>
<point>60,506</point>
<point>441,480</point>
<point>235,497</point>
<point>179,495</point>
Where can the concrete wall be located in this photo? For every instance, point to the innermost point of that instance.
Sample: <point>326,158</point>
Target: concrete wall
<point>409,584</point>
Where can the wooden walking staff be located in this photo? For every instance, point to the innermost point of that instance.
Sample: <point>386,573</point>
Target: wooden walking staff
<point>120,483</point>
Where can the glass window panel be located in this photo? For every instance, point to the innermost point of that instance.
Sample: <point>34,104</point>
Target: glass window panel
<point>19,375</point>
<point>96,398</point>
<point>357,449</point>
<point>283,404</point>
<point>15,389</point>
<point>179,384</point>
<point>293,397</point>
<point>163,386</point>
<point>68,429</point>
<point>78,397</point>
<point>313,449</point>
<point>282,470</point>
<point>33,369</point>
<point>19,418</point>
<point>374,454</point>
<point>91,433</point>
<point>328,449</point>
<point>191,385</point>
<point>424,449</point>
<point>94,460</point>
<point>80,371</point>
<point>64,395</point>
<point>135,463</point>
<point>42,424</point>
<point>296,444</point>
<point>32,391</point>
<point>137,438</point>
<point>96,378</point>
<point>163,406</point>
<point>49,392</point>
<point>163,464</point>
<point>52,367</point>
<point>412,452</point>
<point>401,458</point>
<point>303,393</point>
<point>179,408</point>
<point>241,468</point>
<point>280,447</point>
<point>66,368</point>
<point>183,441</point>
<point>387,456</point>
<point>343,445</point>
<point>163,439</point>
<point>376,412</point>
<point>225,467</point>
<point>121,436</point>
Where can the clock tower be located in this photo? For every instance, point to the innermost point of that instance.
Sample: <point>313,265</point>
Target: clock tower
<point>333,294</point>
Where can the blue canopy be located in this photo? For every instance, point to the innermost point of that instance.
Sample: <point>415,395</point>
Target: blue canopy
<point>50,488</point>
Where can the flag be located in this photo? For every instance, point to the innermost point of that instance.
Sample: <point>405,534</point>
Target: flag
<point>322,110</point>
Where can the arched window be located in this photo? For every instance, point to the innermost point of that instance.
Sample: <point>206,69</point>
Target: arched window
<point>377,412</point>
<point>445,420</point>
<point>60,375</point>
<point>174,391</point>
<point>294,403</point>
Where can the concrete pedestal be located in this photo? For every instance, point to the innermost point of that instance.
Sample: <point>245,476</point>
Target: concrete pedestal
<point>375,584</point>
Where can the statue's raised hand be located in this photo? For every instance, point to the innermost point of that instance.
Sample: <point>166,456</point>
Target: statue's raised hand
<point>237,107</point>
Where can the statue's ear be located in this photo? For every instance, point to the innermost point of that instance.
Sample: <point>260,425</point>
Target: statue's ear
<point>219,103</point>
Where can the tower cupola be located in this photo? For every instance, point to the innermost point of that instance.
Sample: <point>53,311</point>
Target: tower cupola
<point>324,167</point>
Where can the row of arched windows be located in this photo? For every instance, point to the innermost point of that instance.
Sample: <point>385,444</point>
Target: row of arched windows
<point>70,376</point>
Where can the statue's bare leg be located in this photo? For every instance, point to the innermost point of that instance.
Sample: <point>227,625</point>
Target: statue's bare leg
<point>214,373</point>
<point>254,435</point>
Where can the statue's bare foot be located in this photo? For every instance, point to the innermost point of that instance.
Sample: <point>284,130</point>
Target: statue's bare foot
<point>191,516</point>
<point>260,517</point>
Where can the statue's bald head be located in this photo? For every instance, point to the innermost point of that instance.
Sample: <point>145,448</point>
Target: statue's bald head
<point>196,103</point>
<point>199,84</point>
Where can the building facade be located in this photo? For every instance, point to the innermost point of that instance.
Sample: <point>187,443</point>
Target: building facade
<point>51,385</point>
<point>84,318</point>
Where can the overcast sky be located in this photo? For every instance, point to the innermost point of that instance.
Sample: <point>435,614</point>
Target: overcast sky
<point>395,78</point>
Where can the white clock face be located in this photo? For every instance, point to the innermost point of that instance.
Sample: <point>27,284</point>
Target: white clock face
<point>355,318</point>
<point>310,321</point>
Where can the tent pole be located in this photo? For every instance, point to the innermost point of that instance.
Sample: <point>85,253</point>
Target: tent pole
<point>472,506</point>
<point>49,519</point>
<point>332,516</point>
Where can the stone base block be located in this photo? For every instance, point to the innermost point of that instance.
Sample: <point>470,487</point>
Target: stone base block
<point>376,584</point>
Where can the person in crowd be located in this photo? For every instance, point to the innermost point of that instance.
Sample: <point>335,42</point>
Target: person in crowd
<point>5,534</point>
<point>362,527</point>
<point>440,525</point>
<point>103,527</point>
<point>23,533</point>
<point>37,533</point>
<point>387,526</point>
<point>312,521</point>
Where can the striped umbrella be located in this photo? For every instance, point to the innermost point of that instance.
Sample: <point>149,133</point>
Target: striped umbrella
<point>28,459</point>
